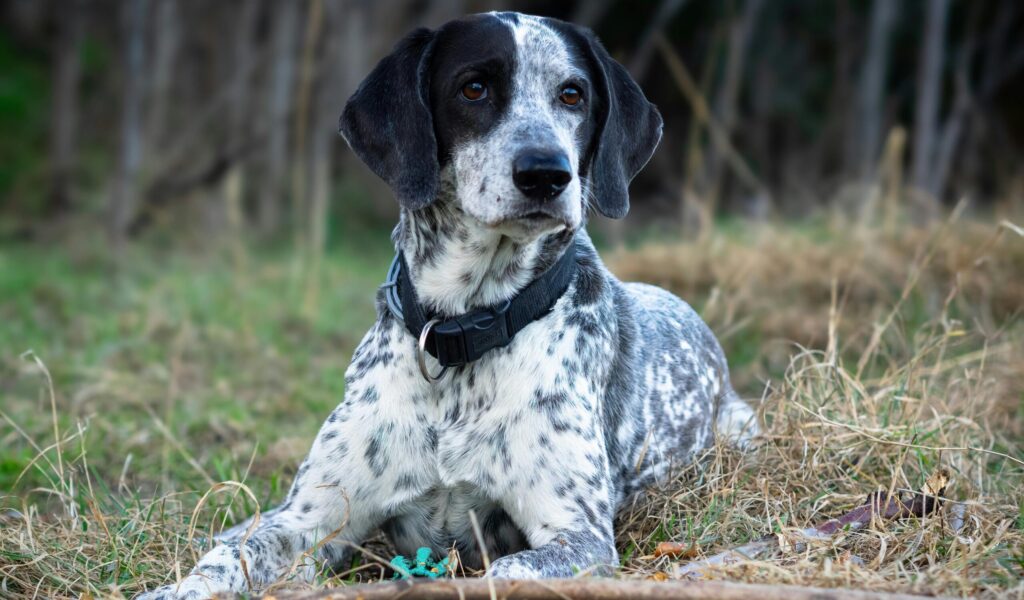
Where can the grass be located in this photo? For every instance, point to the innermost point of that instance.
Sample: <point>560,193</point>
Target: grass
<point>874,358</point>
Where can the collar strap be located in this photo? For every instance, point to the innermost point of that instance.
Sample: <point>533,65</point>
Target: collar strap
<point>465,338</point>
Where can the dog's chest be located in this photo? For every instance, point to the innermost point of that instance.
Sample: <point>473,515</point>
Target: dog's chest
<point>482,424</point>
<point>515,419</point>
<point>474,428</point>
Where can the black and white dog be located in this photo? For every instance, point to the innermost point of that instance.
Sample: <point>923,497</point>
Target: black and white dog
<point>565,390</point>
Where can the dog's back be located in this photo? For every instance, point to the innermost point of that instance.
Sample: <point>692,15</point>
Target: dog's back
<point>668,393</point>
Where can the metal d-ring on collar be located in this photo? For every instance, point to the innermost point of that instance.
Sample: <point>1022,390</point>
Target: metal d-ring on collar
<point>421,353</point>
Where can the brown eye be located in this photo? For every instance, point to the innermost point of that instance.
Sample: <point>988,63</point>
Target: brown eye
<point>474,90</point>
<point>570,96</point>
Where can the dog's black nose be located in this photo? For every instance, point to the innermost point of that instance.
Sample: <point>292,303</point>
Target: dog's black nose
<point>541,175</point>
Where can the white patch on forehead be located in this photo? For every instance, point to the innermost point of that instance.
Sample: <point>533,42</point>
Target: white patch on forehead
<point>543,60</point>
<point>529,29</point>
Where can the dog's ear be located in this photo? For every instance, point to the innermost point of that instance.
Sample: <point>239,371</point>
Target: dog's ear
<point>627,131</point>
<point>388,122</point>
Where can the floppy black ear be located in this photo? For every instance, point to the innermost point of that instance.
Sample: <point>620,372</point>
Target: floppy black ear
<point>627,132</point>
<point>388,123</point>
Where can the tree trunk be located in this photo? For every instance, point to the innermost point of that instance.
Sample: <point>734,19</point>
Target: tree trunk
<point>729,91</point>
<point>645,49</point>
<point>167,32</point>
<point>234,184</point>
<point>589,13</point>
<point>301,169</point>
<point>866,129</point>
<point>341,68</point>
<point>279,102</point>
<point>353,58</point>
<point>133,48</point>
<point>949,139</point>
<point>64,116</point>
<point>929,93</point>
<point>827,152</point>
<point>242,56</point>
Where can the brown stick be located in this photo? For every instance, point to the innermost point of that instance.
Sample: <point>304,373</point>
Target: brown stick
<point>591,588</point>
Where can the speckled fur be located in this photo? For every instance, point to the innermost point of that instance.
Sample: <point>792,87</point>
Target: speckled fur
<point>543,439</point>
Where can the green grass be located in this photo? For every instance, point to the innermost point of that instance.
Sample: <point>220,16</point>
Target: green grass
<point>228,359</point>
<point>185,368</point>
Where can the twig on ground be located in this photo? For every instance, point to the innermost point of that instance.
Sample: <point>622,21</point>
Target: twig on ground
<point>591,588</point>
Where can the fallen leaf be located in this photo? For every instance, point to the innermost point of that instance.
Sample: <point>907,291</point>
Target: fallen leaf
<point>936,483</point>
<point>676,550</point>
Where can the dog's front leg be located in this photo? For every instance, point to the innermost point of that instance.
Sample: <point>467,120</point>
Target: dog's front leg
<point>561,501</point>
<point>340,493</point>
<point>570,553</point>
<point>314,511</point>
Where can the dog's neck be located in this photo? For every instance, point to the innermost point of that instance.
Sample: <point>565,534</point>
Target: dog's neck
<point>456,264</point>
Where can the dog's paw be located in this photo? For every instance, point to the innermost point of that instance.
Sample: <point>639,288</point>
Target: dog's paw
<point>191,588</point>
<point>512,567</point>
<point>165,592</point>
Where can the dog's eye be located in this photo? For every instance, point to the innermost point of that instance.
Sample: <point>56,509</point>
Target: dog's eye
<point>474,90</point>
<point>570,96</point>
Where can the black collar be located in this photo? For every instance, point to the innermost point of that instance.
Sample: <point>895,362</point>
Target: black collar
<point>462,339</point>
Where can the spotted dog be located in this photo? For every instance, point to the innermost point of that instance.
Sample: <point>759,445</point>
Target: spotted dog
<point>497,134</point>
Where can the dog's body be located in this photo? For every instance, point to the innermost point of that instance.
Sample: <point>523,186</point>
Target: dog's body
<point>542,439</point>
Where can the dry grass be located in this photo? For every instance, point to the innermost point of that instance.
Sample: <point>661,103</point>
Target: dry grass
<point>919,365</point>
<point>774,286</point>
<point>876,358</point>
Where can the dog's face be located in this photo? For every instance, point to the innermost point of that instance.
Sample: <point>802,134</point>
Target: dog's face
<point>510,105</point>
<point>522,121</point>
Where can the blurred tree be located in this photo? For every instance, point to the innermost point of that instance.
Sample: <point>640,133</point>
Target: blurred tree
<point>189,111</point>
<point>865,132</point>
<point>167,43</point>
<point>67,74</point>
<point>124,199</point>
<point>641,59</point>
<point>589,13</point>
<point>333,88</point>
<point>727,98</point>
<point>280,84</point>
<point>929,94</point>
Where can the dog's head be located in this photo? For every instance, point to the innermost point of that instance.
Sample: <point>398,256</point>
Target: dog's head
<point>522,120</point>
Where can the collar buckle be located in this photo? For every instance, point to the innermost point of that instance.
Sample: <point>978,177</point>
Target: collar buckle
<point>467,337</point>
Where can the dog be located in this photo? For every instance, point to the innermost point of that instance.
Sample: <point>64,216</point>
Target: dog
<point>512,393</point>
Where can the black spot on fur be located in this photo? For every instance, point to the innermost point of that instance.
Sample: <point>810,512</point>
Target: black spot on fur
<point>373,454</point>
<point>370,395</point>
<point>431,439</point>
<point>549,403</point>
<point>405,481</point>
